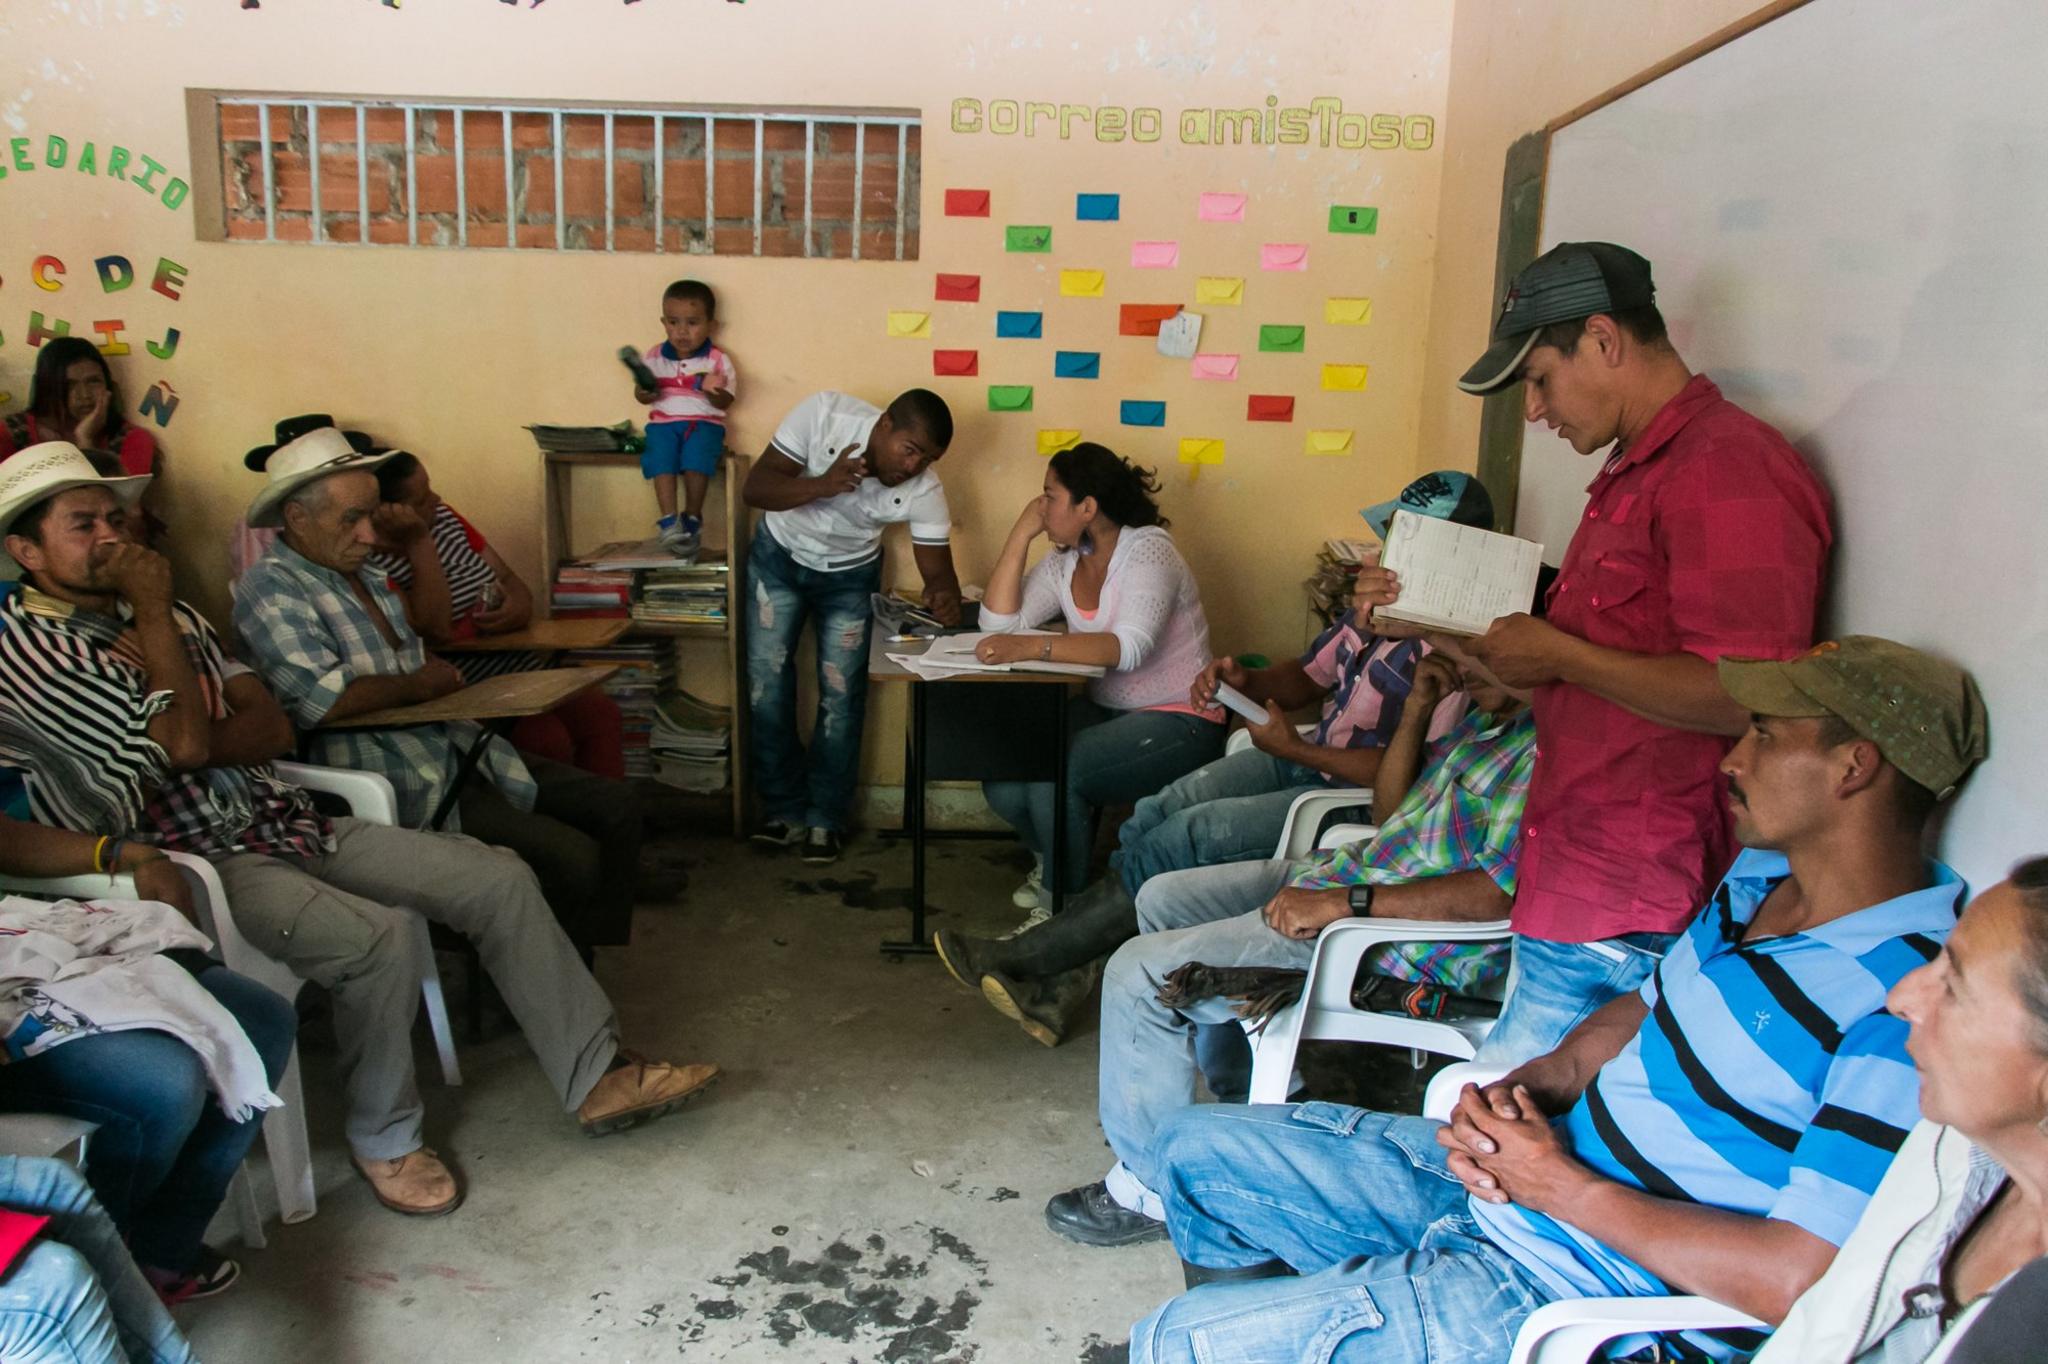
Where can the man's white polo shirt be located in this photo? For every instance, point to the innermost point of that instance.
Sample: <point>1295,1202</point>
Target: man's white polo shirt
<point>837,533</point>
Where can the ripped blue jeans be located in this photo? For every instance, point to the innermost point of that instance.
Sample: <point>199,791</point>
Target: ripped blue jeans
<point>813,789</point>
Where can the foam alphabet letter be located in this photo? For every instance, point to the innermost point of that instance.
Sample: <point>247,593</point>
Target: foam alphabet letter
<point>165,349</point>
<point>170,277</point>
<point>110,342</point>
<point>41,271</point>
<point>116,273</point>
<point>159,402</point>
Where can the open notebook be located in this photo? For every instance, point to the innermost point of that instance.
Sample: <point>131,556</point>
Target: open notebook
<point>1454,578</point>
<point>953,656</point>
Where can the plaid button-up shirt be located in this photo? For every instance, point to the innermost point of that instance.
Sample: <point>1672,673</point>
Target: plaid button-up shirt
<point>310,637</point>
<point>75,709</point>
<point>1464,813</point>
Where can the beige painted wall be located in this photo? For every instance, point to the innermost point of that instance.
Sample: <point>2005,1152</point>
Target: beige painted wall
<point>449,352</point>
<point>1513,69</point>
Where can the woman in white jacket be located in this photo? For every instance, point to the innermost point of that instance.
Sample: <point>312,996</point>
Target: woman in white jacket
<point>1964,1207</point>
<point>1130,605</point>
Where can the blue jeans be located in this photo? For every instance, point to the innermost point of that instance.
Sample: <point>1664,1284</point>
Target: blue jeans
<point>1558,984</point>
<point>164,1152</point>
<point>75,1297</point>
<point>1361,1205</point>
<point>1113,756</point>
<point>1225,811</point>
<point>784,594</point>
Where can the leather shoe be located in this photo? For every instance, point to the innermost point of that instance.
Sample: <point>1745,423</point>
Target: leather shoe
<point>416,1184</point>
<point>639,1090</point>
<point>1089,1215</point>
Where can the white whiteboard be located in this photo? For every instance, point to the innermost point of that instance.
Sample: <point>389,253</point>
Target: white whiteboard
<point>1847,213</point>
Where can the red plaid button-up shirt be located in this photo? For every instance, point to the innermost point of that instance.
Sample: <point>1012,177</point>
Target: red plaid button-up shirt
<point>1710,536</point>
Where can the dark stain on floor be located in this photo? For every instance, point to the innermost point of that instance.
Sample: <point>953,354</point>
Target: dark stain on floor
<point>859,891</point>
<point>1096,1350</point>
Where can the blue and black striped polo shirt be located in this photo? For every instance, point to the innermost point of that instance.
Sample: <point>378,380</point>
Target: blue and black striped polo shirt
<point>1767,1079</point>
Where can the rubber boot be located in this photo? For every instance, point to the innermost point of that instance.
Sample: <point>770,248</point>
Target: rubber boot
<point>1046,1009</point>
<point>1095,923</point>
<point>1197,1275</point>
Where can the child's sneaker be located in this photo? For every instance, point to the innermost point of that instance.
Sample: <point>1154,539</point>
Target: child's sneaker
<point>679,535</point>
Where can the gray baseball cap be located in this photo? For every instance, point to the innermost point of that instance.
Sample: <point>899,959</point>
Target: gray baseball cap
<point>1569,281</point>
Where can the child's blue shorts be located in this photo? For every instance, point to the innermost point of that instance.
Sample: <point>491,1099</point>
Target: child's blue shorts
<point>682,447</point>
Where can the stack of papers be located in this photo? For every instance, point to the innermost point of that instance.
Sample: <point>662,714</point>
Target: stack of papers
<point>582,439</point>
<point>953,656</point>
<point>682,594</point>
<point>691,743</point>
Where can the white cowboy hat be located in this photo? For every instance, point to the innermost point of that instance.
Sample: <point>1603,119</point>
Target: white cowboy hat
<point>37,472</point>
<point>318,454</point>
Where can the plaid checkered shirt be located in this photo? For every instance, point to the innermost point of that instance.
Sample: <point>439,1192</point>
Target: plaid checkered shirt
<point>310,637</point>
<point>1464,813</point>
<point>75,709</point>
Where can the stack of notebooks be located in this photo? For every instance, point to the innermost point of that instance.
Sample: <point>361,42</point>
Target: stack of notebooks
<point>647,671</point>
<point>1337,563</point>
<point>581,592</point>
<point>692,743</point>
<point>684,594</point>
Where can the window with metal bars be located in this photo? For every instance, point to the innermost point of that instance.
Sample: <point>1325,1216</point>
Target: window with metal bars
<point>823,183</point>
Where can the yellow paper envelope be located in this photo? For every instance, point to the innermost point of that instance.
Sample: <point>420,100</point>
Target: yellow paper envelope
<point>1219,289</point>
<point>911,326</point>
<point>1081,283</point>
<point>1200,450</point>
<point>1347,312</point>
<point>1345,378</point>
<point>1052,442</point>
<point>1328,443</point>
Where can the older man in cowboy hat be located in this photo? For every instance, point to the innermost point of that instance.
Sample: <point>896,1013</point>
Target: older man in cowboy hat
<point>120,714</point>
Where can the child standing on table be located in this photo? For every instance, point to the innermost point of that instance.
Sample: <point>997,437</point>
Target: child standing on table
<point>689,383</point>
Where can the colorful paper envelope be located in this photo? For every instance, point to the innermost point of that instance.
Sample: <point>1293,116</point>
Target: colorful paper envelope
<point>1029,239</point>
<point>1052,442</point>
<point>956,362</point>
<point>1201,450</point>
<point>1219,289</point>
<point>958,289</point>
<point>1081,283</point>
<point>1283,256</point>
<point>1143,319</point>
<point>1213,367</point>
<point>1354,218</point>
<point>1155,255</point>
<point>1077,364</point>
<point>1220,206</point>
<point>1269,407</point>
<point>1328,443</point>
<point>1020,326</point>
<point>910,326</point>
<point>1281,338</point>
<point>1009,397</point>
<point>1347,312</point>
<point>1141,412</point>
<point>966,203</point>
<point>1345,378</point>
<point>1098,208</point>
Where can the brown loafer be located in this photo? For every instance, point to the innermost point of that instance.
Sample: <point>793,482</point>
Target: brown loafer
<point>416,1184</point>
<point>639,1090</point>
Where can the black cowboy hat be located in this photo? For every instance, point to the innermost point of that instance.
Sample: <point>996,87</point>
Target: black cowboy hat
<point>291,428</point>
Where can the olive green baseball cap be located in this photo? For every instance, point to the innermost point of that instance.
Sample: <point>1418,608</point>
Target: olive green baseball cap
<point>1925,714</point>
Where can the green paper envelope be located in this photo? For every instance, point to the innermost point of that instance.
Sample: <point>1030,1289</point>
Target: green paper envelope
<point>1009,397</point>
<point>1354,218</point>
<point>1027,239</point>
<point>1281,338</point>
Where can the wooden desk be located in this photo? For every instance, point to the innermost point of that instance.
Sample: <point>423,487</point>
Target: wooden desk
<point>916,762</point>
<point>544,637</point>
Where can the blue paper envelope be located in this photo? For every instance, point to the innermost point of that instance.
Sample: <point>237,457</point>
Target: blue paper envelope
<point>1077,364</point>
<point>1097,208</point>
<point>1142,412</point>
<point>1023,326</point>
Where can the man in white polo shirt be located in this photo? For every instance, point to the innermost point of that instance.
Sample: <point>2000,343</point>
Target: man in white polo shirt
<point>839,471</point>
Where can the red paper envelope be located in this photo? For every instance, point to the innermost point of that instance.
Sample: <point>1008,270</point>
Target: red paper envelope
<point>956,362</point>
<point>966,203</point>
<point>1269,407</point>
<point>958,289</point>
<point>1143,319</point>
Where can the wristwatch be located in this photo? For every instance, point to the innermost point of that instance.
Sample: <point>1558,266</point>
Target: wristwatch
<point>1361,902</point>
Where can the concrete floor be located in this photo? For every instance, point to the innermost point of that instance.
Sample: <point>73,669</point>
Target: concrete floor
<point>866,1183</point>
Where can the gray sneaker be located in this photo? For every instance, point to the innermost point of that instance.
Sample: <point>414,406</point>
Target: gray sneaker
<point>679,538</point>
<point>821,847</point>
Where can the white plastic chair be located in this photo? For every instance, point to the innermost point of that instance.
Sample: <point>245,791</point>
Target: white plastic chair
<point>1298,836</point>
<point>1573,1331</point>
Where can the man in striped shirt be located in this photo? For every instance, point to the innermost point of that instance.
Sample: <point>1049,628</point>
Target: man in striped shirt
<point>1718,1133</point>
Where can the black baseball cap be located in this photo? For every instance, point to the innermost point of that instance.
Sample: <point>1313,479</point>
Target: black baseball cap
<point>1569,281</point>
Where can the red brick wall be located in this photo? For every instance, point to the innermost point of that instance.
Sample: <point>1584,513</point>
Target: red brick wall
<point>679,217</point>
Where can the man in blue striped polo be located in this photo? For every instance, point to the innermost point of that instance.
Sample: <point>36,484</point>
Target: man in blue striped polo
<point>1717,1133</point>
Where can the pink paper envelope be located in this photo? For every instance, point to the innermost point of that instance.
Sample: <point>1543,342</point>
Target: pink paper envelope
<point>1155,255</point>
<point>1283,256</point>
<point>1221,207</point>
<point>1213,367</point>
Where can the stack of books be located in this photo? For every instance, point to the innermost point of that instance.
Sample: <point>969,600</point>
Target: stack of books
<point>684,594</point>
<point>1337,563</point>
<point>692,743</point>
<point>647,670</point>
<point>582,592</point>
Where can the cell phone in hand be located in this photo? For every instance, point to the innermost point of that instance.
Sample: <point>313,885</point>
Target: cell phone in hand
<point>642,375</point>
<point>1232,699</point>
